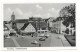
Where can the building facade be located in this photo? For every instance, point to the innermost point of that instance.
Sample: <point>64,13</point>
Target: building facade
<point>58,27</point>
<point>49,23</point>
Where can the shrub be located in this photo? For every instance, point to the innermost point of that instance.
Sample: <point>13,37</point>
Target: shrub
<point>67,31</point>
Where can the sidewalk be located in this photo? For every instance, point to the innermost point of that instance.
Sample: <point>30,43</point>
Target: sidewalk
<point>64,41</point>
<point>55,41</point>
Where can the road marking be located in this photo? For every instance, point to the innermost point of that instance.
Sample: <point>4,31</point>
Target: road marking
<point>15,42</point>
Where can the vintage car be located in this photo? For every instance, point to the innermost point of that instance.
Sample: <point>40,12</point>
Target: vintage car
<point>34,42</point>
<point>43,33</point>
<point>46,36</point>
<point>42,39</point>
<point>6,32</point>
<point>12,32</point>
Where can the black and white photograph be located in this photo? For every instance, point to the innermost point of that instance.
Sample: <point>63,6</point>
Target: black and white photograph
<point>39,25</point>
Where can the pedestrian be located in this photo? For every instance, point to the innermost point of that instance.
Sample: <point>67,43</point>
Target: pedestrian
<point>17,35</point>
<point>39,45</point>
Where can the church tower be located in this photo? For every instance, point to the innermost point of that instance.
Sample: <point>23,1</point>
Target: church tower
<point>13,23</point>
<point>12,17</point>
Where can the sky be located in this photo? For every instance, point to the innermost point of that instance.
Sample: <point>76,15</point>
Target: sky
<point>24,11</point>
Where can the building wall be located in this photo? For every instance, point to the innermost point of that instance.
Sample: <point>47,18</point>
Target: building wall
<point>63,28</point>
<point>50,21</point>
<point>71,30</point>
<point>58,27</point>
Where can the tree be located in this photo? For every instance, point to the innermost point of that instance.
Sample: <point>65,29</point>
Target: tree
<point>67,31</point>
<point>68,14</point>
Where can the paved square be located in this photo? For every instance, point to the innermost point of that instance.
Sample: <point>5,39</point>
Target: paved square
<point>54,40</point>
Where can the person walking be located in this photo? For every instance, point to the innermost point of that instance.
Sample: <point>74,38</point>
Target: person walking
<point>39,45</point>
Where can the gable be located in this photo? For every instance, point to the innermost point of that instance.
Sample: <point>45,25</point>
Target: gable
<point>30,28</point>
<point>19,25</point>
<point>21,20</point>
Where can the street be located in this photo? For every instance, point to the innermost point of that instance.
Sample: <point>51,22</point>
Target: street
<point>54,40</point>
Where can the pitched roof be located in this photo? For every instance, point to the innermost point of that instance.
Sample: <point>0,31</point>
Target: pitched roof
<point>51,19</point>
<point>24,26</point>
<point>39,25</point>
<point>5,26</point>
<point>5,22</point>
<point>27,23</point>
<point>21,20</point>
<point>46,19</point>
<point>35,18</point>
<point>20,25</point>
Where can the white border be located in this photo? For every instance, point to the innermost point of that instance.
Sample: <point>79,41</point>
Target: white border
<point>36,1</point>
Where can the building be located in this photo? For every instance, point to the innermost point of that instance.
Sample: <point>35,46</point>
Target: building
<point>34,25</point>
<point>6,31</point>
<point>20,23</point>
<point>58,27</point>
<point>39,22</point>
<point>13,17</point>
<point>49,22</point>
<point>28,29</point>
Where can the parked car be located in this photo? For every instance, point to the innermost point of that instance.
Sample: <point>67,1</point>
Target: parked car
<point>34,42</point>
<point>6,32</point>
<point>41,35</point>
<point>42,39</point>
<point>23,34</point>
<point>46,36</point>
<point>12,32</point>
